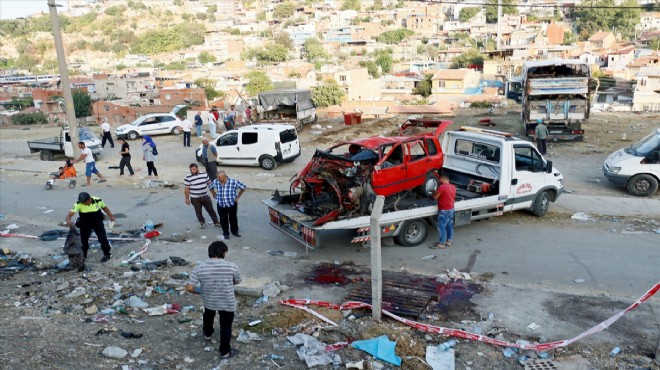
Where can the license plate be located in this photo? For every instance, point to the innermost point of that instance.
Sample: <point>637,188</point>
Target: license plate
<point>555,132</point>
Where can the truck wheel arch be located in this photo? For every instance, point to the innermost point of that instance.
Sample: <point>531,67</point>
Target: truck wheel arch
<point>542,201</point>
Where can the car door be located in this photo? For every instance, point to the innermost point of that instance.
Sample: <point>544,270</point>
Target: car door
<point>250,149</point>
<point>389,176</point>
<point>228,149</point>
<point>528,176</point>
<point>167,123</point>
<point>418,164</point>
<point>149,126</point>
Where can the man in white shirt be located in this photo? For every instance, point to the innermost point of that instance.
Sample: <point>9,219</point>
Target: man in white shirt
<point>186,126</point>
<point>90,164</point>
<point>213,123</point>
<point>107,135</point>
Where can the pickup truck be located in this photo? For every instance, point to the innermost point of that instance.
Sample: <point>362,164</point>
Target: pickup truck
<point>636,167</point>
<point>62,145</point>
<point>494,172</point>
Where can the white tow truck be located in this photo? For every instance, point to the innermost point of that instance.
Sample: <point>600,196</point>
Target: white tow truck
<point>494,172</point>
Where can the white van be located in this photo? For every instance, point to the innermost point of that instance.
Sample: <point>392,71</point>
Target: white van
<point>636,167</point>
<point>263,145</point>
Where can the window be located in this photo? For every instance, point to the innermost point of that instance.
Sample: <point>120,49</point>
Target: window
<point>149,121</point>
<point>166,119</point>
<point>288,136</point>
<point>342,78</point>
<point>228,140</point>
<point>485,152</point>
<point>528,159</point>
<point>441,83</point>
<point>249,138</point>
<point>416,151</point>
<point>430,147</point>
<point>106,108</point>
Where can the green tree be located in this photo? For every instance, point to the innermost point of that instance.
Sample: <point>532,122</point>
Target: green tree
<point>470,57</point>
<point>385,62</point>
<point>424,87</point>
<point>655,44</point>
<point>82,104</point>
<point>209,88</point>
<point>569,37</point>
<point>626,19</point>
<point>607,17</point>
<point>371,66</point>
<point>272,53</point>
<point>284,10</point>
<point>206,57</point>
<point>258,81</point>
<point>313,50</point>
<point>180,36</point>
<point>115,11</point>
<point>352,5</point>
<point>394,36</point>
<point>29,118</point>
<point>21,103</point>
<point>468,13</point>
<point>327,94</point>
<point>211,9</point>
<point>284,39</point>
<point>507,8</point>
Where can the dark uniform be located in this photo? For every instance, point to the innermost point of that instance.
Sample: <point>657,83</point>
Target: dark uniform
<point>91,219</point>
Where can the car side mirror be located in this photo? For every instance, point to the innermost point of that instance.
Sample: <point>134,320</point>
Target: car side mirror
<point>548,167</point>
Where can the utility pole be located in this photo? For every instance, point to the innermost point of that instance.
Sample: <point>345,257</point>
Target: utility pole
<point>64,79</point>
<point>376,259</point>
<point>499,16</point>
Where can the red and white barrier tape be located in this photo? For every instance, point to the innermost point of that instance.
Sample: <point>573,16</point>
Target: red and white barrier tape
<point>302,303</point>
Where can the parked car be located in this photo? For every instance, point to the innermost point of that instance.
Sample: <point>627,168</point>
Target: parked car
<point>150,124</point>
<point>263,145</point>
<point>636,167</point>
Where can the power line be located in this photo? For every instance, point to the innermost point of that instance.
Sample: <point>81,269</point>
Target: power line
<point>647,7</point>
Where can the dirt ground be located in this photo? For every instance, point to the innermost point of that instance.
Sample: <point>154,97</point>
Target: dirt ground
<point>53,319</point>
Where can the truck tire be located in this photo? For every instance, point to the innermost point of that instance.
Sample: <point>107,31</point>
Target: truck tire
<point>413,233</point>
<point>46,155</point>
<point>541,204</point>
<point>132,135</point>
<point>267,162</point>
<point>430,185</point>
<point>642,185</point>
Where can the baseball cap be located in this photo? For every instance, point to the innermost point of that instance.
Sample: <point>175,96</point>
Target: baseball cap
<point>83,197</point>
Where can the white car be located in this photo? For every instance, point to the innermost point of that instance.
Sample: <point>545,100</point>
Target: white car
<point>150,124</point>
<point>262,145</point>
<point>636,167</point>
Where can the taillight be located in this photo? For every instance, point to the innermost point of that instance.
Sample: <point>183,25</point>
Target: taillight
<point>277,147</point>
<point>577,132</point>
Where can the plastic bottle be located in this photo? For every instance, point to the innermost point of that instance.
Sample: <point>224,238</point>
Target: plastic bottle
<point>149,225</point>
<point>615,351</point>
<point>63,264</point>
<point>509,352</point>
<point>447,345</point>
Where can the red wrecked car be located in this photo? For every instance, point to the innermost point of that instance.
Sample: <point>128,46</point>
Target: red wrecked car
<point>343,180</point>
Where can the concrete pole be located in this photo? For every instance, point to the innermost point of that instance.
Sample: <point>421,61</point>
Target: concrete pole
<point>64,79</point>
<point>376,260</point>
<point>499,16</point>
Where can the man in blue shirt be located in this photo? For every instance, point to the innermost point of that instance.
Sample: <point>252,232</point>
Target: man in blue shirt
<point>198,123</point>
<point>210,159</point>
<point>226,192</point>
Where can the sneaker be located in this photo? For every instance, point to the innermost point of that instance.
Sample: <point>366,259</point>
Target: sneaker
<point>106,258</point>
<point>223,237</point>
<point>208,339</point>
<point>202,225</point>
<point>237,235</point>
<point>217,224</point>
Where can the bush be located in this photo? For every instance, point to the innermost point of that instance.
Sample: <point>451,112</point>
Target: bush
<point>481,104</point>
<point>29,118</point>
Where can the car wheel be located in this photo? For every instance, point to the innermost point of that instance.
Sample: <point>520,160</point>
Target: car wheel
<point>198,158</point>
<point>413,233</point>
<point>46,155</point>
<point>541,204</point>
<point>642,185</point>
<point>430,185</point>
<point>267,162</point>
<point>176,131</point>
<point>132,135</point>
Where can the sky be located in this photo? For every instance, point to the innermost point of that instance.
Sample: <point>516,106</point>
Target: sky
<point>11,9</point>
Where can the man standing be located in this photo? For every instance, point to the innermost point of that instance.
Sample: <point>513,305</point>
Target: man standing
<point>213,122</point>
<point>90,164</point>
<point>198,123</point>
<point>196,192</point>
<point>217,278</point>
<point>445,195</point>
<point>107,135</point>
<point>91,219</point>
<point>210,159</point>
<point>125,158</point>
<point>186,126</point>
<point>226,192</point>
<point>541,136</point>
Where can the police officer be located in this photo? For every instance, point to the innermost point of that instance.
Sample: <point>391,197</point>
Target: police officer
<point>91,219</point>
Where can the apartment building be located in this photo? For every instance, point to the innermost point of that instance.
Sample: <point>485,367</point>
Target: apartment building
<point>646,97</point>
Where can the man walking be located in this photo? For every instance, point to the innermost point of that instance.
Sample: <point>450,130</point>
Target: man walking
<point>186,126</point>
<point>196,192</point>
<point>90,164</point>
<point>226,192</point>
<point>198,123</point>
<point>107,135</point>
<point>216,278</point>
<point>91,219</point>
<point>213,122</point>
<point>445,195</point>
<point>210,159</point>
<point>541,136</point>
<point>125,158</point>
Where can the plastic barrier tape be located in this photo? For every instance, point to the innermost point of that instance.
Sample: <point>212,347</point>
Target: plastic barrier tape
<point>301,303</point>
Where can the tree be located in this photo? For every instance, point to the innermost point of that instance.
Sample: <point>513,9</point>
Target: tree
<point>655,44</point>
<point>284,10</point>
<point>610,18</point>
<point>205,57</point>
<point>313,50</point>
<point>82,104</point>
<point>394,36</point>
<point>352,5</point>
<point>467,59</point>
<point>272,53</point>
<point>258,82</point>
<point>283,39</point>
<point>468,13</point>
<point>327,94</point>
<point>209,88</point>
<point>371,66</point>
<point>491,9</point>
<point>569,37</point>
<point>424,87</point>
<point>385,62</point>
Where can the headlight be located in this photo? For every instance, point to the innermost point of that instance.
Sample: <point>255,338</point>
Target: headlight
<point>615,169</point>
<point>121,129</point>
